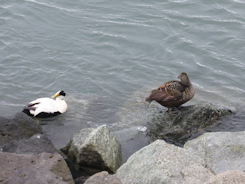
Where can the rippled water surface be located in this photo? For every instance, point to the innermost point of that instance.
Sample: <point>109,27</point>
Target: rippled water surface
<point>108,55</point>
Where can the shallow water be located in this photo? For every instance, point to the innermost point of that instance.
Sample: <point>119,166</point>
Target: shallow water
<point>108,55</point>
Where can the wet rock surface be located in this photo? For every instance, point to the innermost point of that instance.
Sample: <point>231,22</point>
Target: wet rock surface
<point>17,128</point>
<point>222,151</point>
<point>185,123</point>
<point>38,143</point>
<point>161,162</point>
<point>93,150</point>
<point>27,155</point>
<point>34,168</point>
<point>22,134</point>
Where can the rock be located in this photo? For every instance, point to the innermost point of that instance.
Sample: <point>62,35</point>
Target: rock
<point>183,124</point>
<point>22,134</point>
<point>228,177</point>
<point>103,178</point>
<point>94,150</point>
<point>32,168</point>
<point>38,143</point>
<point>160,162</point>
<point>222,151</point>
<point>20,127</point>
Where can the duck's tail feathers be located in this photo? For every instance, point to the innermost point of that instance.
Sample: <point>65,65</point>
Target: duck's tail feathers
<point>149,99</point>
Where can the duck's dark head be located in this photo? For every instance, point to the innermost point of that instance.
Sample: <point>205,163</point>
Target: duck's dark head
<point>60,93</point>
<point>184,79</point>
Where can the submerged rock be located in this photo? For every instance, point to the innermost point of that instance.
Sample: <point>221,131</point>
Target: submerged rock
<point>20,127</point>
<point>103,178</point>
<point>160,162</point>
<point>229,177</point>
<point>93,150</point>
<point>187,122</point>
<point>38,143</point>
<point>222,151</point>
<point>31,168</point>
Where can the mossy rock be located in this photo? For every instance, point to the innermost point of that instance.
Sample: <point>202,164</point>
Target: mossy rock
<point>185,122</point>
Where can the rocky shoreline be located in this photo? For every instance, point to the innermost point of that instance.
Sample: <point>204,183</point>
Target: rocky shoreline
<point>27,155</point>
<point>93,156</point>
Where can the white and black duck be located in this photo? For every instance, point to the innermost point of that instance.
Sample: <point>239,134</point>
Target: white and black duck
<point>47,107</point>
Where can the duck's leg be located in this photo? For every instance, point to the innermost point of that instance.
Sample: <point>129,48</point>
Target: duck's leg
<point>173,110</point>
<point>170,110</point>
<point>37,120</point>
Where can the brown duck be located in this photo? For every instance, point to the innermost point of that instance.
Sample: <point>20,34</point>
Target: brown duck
<point>173,93</point>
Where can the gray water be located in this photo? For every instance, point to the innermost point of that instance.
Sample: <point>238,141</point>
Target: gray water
<point>109,55</point>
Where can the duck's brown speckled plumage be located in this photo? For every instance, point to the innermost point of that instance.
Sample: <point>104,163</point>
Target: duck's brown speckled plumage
<point>173,93</point>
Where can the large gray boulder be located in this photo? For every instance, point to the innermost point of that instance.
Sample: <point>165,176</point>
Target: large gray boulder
<point>94,150</point>
<point>228,177</point>
<point>161,162</point>
<point>34,168</point>
<point>221,151</point>
<point>189,121</point>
